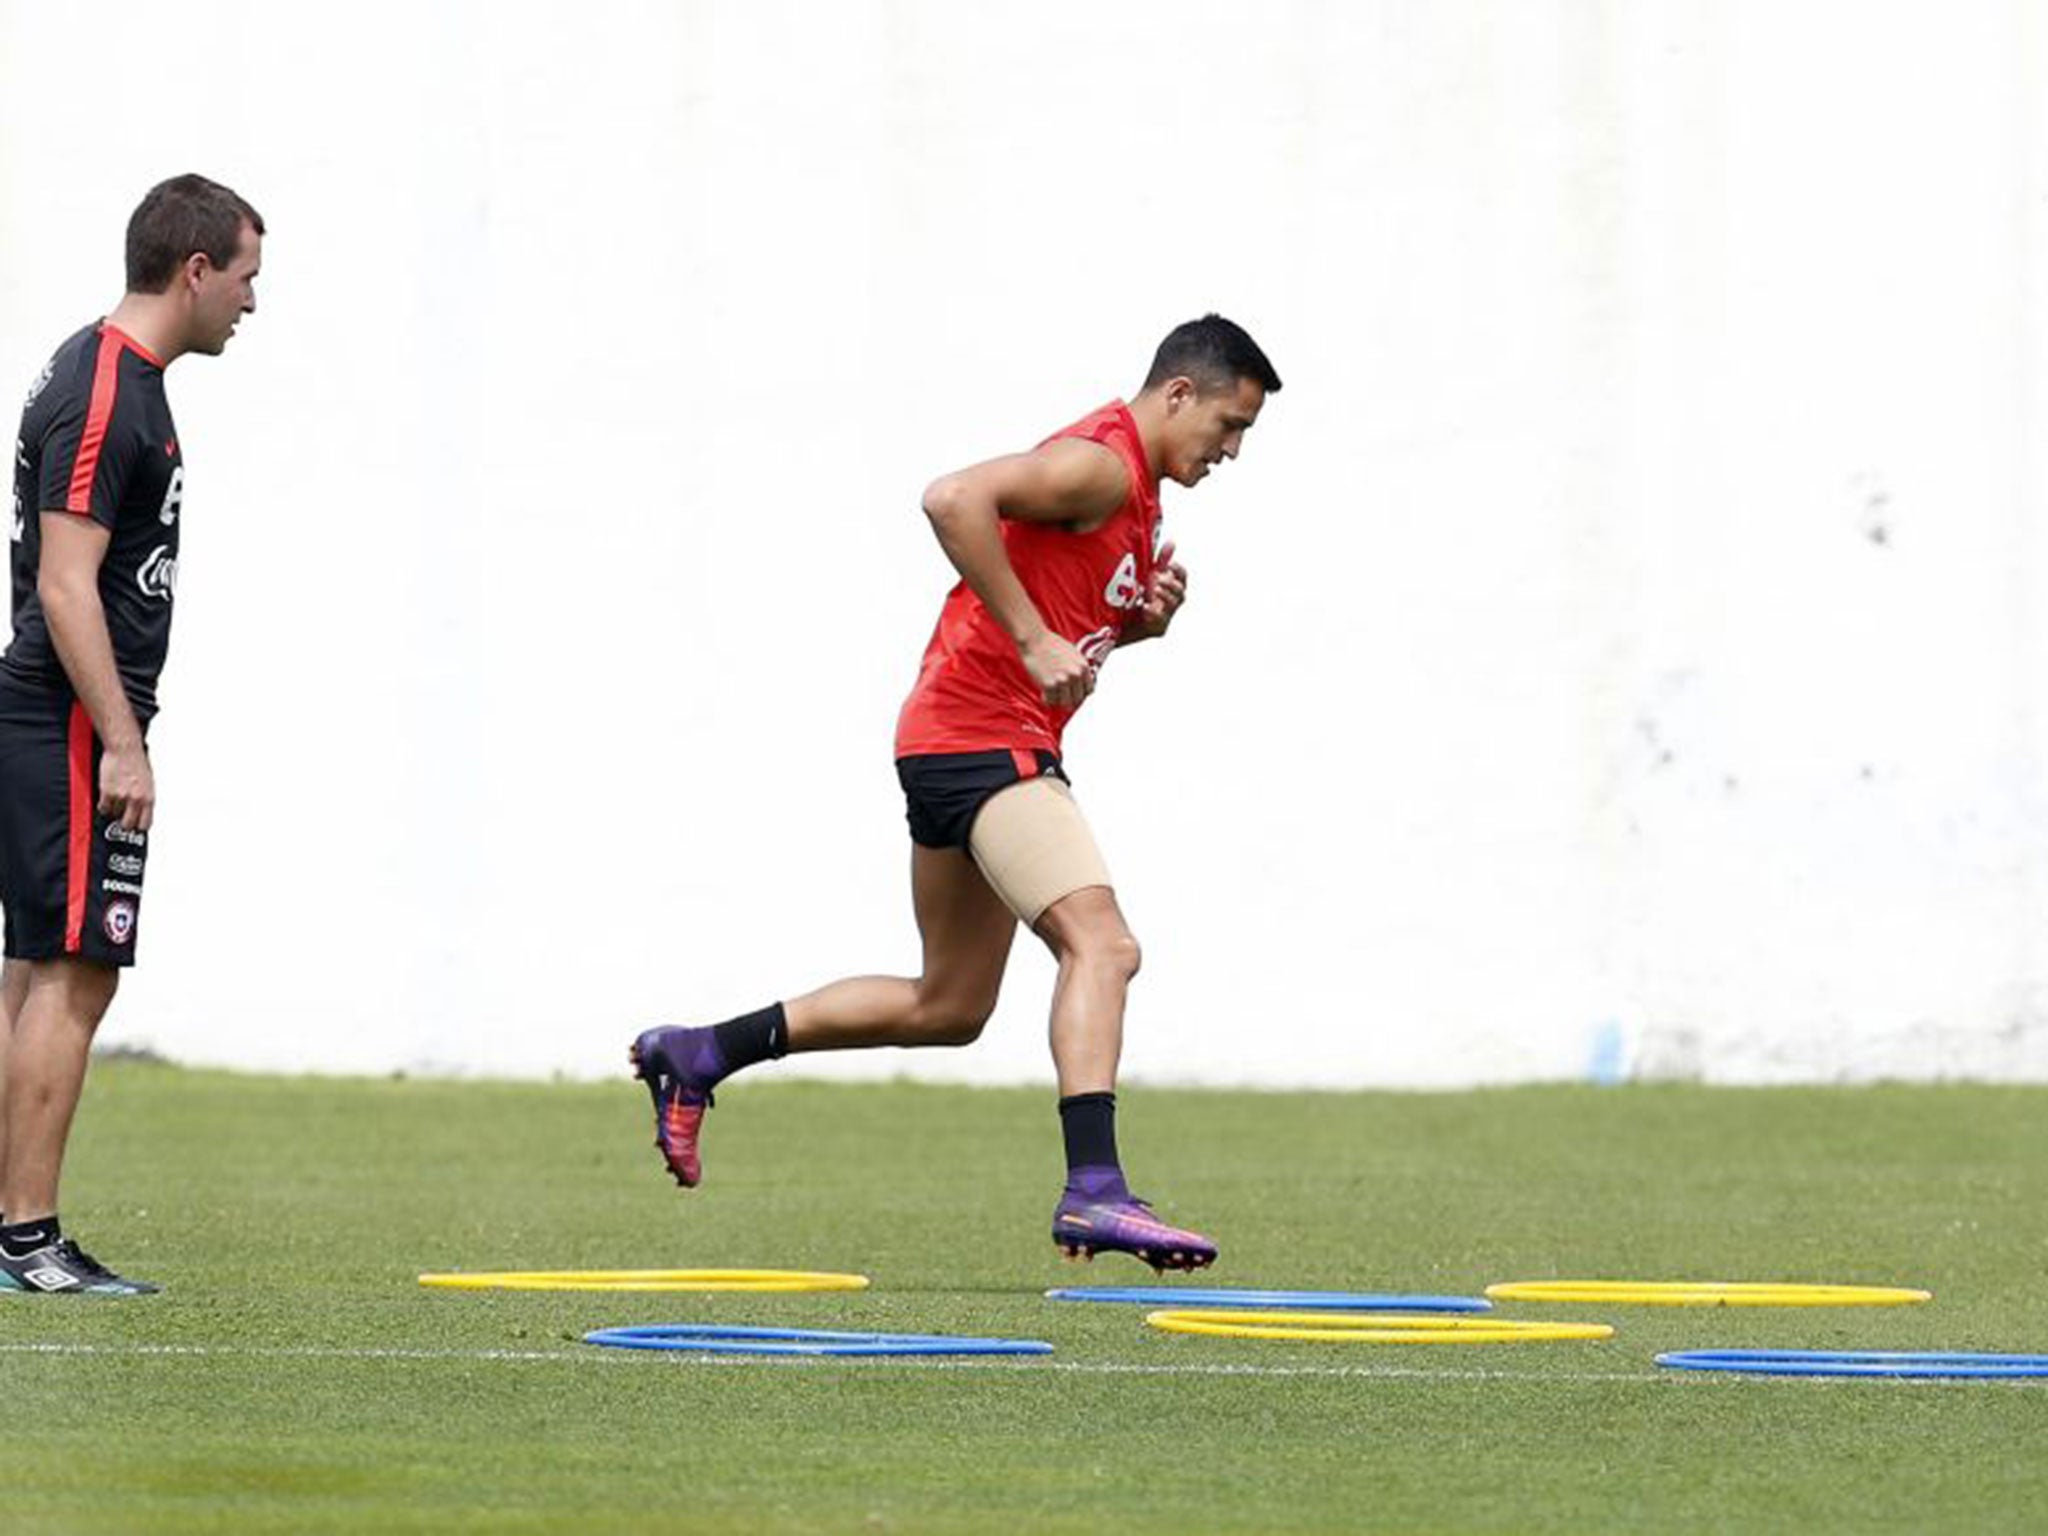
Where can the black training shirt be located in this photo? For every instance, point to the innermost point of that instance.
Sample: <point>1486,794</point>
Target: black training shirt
<point>97,441</point>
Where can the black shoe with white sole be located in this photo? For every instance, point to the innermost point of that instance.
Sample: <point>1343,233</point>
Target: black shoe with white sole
<point>65,1269</point>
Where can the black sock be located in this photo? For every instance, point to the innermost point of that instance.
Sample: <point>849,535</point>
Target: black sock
<point>752,1037</point>
<point>25,1237</point>
<point>1088,1123</point>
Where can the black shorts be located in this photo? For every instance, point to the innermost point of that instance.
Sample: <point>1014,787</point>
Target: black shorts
<point>945,790</point>
<point>70,879</point>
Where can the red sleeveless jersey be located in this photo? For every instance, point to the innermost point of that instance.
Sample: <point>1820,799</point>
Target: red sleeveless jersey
<point>972,692</point>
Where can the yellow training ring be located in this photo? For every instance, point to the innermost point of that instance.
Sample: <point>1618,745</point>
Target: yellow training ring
<point>647,1280</point>
<point>1368,1327</point>
<point>1708,1293</point>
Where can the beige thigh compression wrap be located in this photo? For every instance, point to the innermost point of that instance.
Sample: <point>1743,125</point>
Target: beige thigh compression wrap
<point>1034,846</point>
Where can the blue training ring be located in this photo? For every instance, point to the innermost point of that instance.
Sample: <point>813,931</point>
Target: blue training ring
<point>1845,1362</point>
<point>721,1339</point>
<point>1194,1296</point>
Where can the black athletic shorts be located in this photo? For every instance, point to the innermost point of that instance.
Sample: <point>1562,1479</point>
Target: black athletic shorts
<point>946,790</point>
<point>70,879</point>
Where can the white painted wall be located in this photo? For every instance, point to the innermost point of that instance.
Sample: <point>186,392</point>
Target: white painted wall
<point>1617,649</point>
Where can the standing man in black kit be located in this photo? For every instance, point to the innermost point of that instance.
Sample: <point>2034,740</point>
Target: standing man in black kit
<point>99,483</point>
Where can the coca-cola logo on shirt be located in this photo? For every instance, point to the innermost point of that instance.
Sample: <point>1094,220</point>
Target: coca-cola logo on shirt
<point>1095,648</point>
<point>158,575</point>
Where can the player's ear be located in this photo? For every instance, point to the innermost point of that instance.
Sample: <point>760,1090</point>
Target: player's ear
<point>197,265</point>
<point>1180,391</point>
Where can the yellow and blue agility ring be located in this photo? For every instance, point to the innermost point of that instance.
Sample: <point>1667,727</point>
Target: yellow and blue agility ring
<point>1707,1293</point>
<point>1843,1362</point>
<point>716,1339</point>
<point>1338,1301</point>
<point>1368,1327</point>
<point>647,1280</point>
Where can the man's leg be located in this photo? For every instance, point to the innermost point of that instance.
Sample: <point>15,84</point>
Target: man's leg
<point>62,1006</point>
<point>13,993</point>
<point>1098,957</point>
<point>45,1072</point>
<point>967,932</point>
<point>1034,846</point>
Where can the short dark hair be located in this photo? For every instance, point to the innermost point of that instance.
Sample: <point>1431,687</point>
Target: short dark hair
<point>178,217</point>
<point>1215,353</point>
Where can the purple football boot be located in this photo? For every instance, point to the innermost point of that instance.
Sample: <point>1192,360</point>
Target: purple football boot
<point>679,1067</point>
<point>1119,1222</point>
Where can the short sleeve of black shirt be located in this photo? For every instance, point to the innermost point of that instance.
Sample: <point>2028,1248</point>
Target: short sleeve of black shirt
<point>97,441</point>
<point>91,443</point>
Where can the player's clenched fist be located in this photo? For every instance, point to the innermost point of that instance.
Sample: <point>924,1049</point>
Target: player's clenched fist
<point>1062,673</point>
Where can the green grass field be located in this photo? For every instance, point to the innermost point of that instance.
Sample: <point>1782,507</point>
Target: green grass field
<point>294,1378</point>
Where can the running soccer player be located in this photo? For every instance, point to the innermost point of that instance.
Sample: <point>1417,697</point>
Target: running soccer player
<point>1060,562</point>
<point>99,485</point>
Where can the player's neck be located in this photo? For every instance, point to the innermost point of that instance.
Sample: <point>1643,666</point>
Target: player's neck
<point>152,320</point>
<point>1148,410</point>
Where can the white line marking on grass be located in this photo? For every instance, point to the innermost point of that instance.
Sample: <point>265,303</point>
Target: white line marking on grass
<point>594,1355</point>
<point>297,1352</point>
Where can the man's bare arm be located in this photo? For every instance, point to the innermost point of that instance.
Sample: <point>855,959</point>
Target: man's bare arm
<point>68,585</point>
<point>1070,481</point>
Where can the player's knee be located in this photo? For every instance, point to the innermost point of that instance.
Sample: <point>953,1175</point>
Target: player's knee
<point>955,1029</point>
<point>951,1021</point>
<point>1125,954</point>
<point>1111,947</point>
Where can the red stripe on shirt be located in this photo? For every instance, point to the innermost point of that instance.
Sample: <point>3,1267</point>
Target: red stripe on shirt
<point>106,376</point>
<point>78,848</point>
<point>132,345</point>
